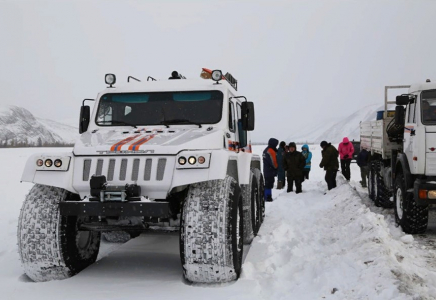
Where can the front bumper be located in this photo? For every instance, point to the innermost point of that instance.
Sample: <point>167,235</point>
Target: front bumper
<point>419,187</point>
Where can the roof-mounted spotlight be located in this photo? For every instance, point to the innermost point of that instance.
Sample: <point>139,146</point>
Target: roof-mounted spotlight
<point>217,75</point>
<point>110,79</point>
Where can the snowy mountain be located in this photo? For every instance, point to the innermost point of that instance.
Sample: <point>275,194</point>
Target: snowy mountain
<point>19,126</point>
<point>334,130</point>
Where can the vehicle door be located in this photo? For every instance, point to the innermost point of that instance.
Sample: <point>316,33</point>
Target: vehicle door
<point>231,136</point>
<point>409,135</point>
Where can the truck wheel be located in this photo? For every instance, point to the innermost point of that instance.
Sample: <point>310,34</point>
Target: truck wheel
<point>260,212</point>
<point>51,246</point>
<point>411,217</point>
<point>211,231</point>
<point>382,194</point>
<point>371,184</point>
<point>249,196</point>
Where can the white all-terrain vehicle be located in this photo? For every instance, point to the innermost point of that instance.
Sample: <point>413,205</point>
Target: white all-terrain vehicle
<point>155,152</point>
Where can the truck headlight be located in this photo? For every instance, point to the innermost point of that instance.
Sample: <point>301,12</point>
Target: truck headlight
<point>182,160</point>
<point>194,161</point>
<point>48,163</point>
<point>53,163</point>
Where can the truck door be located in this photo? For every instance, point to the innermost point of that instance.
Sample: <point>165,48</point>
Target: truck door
<point>232,136</point>
<point>409,135</point>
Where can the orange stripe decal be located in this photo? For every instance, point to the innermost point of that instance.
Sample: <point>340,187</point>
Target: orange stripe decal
<point>135,145</point>
<point>118,145</point>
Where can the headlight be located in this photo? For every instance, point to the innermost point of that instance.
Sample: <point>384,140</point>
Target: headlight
<point>192,160</point>
<point>58,163</point>
<point>39,162</point>
<point>53,163</point>
<point>182,160</point>
<point>110,79</point>
<point>217,75</point>
<point>48,163</point>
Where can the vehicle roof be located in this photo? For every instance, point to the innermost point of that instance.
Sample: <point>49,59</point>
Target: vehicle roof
<point>422,87</point>
<point>169,85</point>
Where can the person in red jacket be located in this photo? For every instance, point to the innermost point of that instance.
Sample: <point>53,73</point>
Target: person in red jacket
<point>346,151</point>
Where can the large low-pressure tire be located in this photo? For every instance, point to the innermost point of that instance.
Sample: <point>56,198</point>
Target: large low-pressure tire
<point>260,213</point>
<point>250,207</point>
<point>411,217</point>
<point>211,232</point>
<point>371,183</point>
<point>50,246</point>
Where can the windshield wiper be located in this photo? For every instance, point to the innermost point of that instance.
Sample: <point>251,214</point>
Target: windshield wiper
<point>179,121</point>
<point>122,123</point>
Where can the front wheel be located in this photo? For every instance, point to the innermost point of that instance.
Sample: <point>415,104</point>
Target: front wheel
<point>52,246</point>
<point>211,232</point>
<point>411,217</point>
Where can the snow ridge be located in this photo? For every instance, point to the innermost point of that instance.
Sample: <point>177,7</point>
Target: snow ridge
<point>19,126</point>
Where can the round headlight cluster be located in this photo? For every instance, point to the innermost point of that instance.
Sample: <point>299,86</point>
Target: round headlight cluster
<point>192,160</point>
<point>49,163</point>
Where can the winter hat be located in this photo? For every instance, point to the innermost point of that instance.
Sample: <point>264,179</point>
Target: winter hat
<point>292,144</point>
<point>323,144</point>
<point>273,142</point>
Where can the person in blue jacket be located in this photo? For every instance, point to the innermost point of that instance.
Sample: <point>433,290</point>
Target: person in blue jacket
<point>281,178</point>
<point>308,155</point>
<point>269,158</point>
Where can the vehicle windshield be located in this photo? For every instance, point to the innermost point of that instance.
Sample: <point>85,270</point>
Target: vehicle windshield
<point>160,108</point>
<point>428,107</point>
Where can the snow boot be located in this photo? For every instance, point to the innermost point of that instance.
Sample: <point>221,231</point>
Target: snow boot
<point>279,185</point>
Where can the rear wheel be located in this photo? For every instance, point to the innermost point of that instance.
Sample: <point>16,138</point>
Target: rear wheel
<point>411,217</point>
<point>371,193</point>
<point>51,246</point>
<point>382,194</point>
<point>211,231</point>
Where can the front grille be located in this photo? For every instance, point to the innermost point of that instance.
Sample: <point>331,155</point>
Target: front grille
<point>161,168</point>
<point>86,169</point>
<point>123,169</point>
<point>134,169</point>
<point>147,170</point>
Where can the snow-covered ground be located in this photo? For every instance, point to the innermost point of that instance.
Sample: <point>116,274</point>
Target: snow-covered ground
<point>311,246</point>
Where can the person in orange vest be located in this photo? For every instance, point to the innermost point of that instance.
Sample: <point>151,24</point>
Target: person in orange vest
<point>270,165</point>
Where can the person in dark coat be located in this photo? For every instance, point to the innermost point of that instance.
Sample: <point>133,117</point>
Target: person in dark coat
<point>362,161</point>
<point>269,158</point>
<point>280,170</point>
<point>330,163</point>
<point>293,164</point>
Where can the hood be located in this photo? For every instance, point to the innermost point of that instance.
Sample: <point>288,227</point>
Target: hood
<point>345,140</point>
<point>292,144</point>
<point>273,142</point>
<point>305,146</point>
<point>167,141</point>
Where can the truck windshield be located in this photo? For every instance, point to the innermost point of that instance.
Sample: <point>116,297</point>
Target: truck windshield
<point>157,108</point>
<point>428,107</point>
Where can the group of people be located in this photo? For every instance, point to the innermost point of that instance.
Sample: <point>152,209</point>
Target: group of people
<point>288,163</point>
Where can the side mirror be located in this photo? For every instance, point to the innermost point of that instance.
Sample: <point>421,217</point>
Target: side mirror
<point>85,115</point>
<point>402,100</point>
<point>399,115</point>
<point>247,116</point>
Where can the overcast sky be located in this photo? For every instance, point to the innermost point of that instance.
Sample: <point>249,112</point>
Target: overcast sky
<point>301,62</point>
